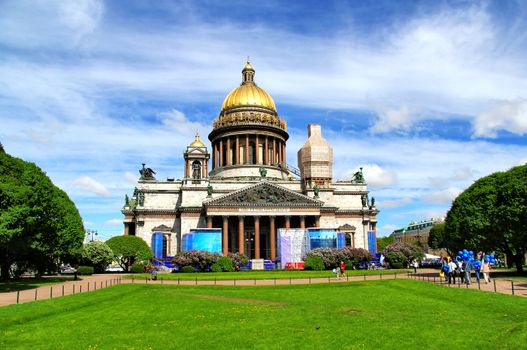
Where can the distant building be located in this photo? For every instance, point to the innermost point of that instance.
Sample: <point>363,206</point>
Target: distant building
<point>416,232</point>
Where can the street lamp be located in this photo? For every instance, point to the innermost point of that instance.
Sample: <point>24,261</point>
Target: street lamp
<point>92,233</point>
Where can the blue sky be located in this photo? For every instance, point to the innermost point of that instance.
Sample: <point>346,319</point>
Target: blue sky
<point>426,96</point>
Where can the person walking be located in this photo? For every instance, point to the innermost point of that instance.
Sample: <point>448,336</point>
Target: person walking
<point>452,272</point>
<point>342,269</point>
<point>416,265</point>
<point>468,269</point>
<point>485,269</point>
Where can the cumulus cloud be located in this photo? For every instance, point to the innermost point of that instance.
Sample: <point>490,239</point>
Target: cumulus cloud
<point>91,185</point>
<point>508,115</point>
<point>376,176</point>
<point>179,122</point>
<point>458,174</point>
<point>445,196</point>
<point>389,119</point>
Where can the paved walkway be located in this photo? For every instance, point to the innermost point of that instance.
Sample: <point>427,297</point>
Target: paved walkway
<point>91,283</point>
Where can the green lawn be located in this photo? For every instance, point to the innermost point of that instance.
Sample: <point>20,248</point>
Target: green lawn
<point>389,314</point>
<point>265,274</point>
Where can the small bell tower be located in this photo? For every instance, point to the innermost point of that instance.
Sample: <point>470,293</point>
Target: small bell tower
<point>315,160</point>
<point>196,161</point>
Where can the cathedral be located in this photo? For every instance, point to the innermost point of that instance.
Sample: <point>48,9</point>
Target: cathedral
<point>239,192</point>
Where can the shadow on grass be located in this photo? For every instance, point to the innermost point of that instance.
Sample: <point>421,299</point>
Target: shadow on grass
<point>31,282</point>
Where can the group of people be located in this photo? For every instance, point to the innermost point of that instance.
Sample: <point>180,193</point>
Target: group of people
<point>152,270</point>
<point>462,269</point>
<point>340,270</point>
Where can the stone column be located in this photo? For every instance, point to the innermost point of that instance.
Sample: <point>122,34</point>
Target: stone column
<point>317,221</point>
<point>241,235</point>
<point>283,155</point>
<point>353,239</point>
<point>266,152</point>
<point>213,156</point>
<point>302,221</point>
<point>126,229</point>
<point>209,221</point>
<point>225,235</point>
<point>257,149</point>
<point>237,150</point>
<point>229,158</point>
<point>272,232</point>
<point>287,222</point>
<point>274,152</point>
<point>257,237</point>
<point>221,154</point>
<point>246,149</point>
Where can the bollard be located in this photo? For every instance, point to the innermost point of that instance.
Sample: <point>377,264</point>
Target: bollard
<point>347,278</point>
<point>396,275</point>
<point>494,285</point>
<point>434,279</point>
<point>132,278</point>
<point>479,285</point>
<point>512,287</point>
<point>255,281</point>
<point>365,277</point>
<point>106,283</point>
<point>73,289</point>
<point>214,280</point>
<point>178,281</point>
<point>289,280</point>
<point>275,281</point>
<point>234,282</point>
<point>309,280</point>
<point>80,288</point>
<point>62,290</point>
<point>36,294</point>
<point>196,281</point>
<point>146,280</point>
<point>329,279</point>
<point>17,296</point>
<point>95,285</point>
<point>161,280</point>
<point>381,275</point>
<point>51,292</point>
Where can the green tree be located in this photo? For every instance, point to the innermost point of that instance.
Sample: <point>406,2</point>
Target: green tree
<point>39,225</point>
<point>383,242</point>
<point>98,255</point>
<point>492,215</point>
<point>129,249</point>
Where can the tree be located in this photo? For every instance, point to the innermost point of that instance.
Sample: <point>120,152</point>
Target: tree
<point>98,255</point>
<point>383,242</point>
<point>129,249</point>
<point>39,224</point>
<point>402,253</point>
<point>492,215</point>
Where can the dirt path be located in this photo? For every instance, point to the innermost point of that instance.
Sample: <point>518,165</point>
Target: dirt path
<point>91,283</point>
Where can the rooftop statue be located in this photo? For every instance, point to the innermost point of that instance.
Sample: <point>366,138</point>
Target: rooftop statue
<point>315,190</point>
<point>209,190</point>
<point>146,173</point>
<point>358,177</point>
<point>364,199</point>
<point>263,172</point>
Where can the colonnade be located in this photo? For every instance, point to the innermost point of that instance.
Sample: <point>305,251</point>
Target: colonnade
<point>241,230</point>
<point>248,149</point>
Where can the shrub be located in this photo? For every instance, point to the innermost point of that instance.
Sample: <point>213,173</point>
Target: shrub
<point>138,267</point>
<point>239,259</point>
<point>332,256</point>
<point>85,270</point>
<point>188,269</point>
<point>198,258</point>
<point>402,253</point>
<point>396,265</point>
<point>97,254</point>
<point>314,263</point>
<point>225,264</point>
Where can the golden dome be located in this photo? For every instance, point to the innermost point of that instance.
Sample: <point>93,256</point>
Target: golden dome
<point>197,142</point>
<point>248,94</point>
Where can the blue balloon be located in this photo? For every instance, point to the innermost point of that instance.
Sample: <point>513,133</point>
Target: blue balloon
<point>471,259</point>
<point>471,252</point>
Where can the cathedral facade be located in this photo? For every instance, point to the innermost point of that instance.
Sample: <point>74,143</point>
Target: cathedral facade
<point>249,192</point>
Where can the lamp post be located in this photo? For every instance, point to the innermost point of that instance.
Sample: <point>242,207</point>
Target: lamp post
<point>92,233</point>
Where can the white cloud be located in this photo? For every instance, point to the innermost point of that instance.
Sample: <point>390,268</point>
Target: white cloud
<point>375,176</point>
<point>395,203</point>
<point>459,174</point>
<point>179,122</point>
<point>393,119</point>
<point>91,185</point>
<point>503,115</point>
<point>445,196</point>
<point>114,222</point>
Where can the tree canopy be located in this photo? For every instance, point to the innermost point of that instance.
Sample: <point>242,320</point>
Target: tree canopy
<point>129,249</point>
<point>383,242</point>
<point>97,254</point>
<point>39,224</point>
<point>492,215</point>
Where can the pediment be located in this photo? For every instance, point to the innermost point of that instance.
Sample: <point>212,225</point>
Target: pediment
<point>162,228</point>
<point>264,194</point>
<point>196,150</point>
<point>347,228</point>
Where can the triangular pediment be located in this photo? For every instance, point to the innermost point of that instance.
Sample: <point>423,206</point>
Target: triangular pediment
<point>196,150</point>
<point>162,228</point>
<point>264,194</point>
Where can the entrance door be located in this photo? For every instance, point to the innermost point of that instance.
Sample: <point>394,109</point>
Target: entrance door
<point>249,243</point>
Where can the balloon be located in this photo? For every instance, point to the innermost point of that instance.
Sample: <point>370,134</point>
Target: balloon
<point>459,253</point>
<point>471,252</point>
<point>471,259</point>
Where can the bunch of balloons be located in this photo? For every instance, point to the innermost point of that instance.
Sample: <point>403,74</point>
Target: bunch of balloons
<point>490,259</point>
<point>465,255</point>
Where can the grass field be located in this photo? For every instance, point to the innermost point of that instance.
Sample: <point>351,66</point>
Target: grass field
<point>266,274</point>
<point>389,314</point>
